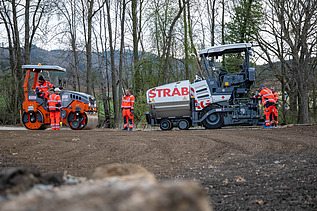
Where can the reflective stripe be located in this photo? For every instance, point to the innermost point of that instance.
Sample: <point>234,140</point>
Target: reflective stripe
<point>44,86</point>
<point>53,100</point>
<point>127,101</point>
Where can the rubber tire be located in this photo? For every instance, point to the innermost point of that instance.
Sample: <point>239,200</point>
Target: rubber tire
<point>166,124</point>
<point>213,121</point>
<point>39,125</point>
<point>70,119</point>
<point>183,124</point>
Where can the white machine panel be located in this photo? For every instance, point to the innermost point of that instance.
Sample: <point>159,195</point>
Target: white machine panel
<point>178,91</point>
<point>169,100</point>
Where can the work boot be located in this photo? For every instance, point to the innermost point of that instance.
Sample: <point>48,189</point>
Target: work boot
<point>267,126</point>
<point>131,129</point>
<point>125,129</point>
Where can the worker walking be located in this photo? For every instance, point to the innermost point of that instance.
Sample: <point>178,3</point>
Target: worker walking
<point>274,120</point>
<point>127,110</point>
<point>54,106</point>
<point>268,102</point>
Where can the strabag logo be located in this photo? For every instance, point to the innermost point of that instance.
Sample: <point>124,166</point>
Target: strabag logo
<point>168,92</point>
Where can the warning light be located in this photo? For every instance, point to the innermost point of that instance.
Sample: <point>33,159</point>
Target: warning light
<point>39,64</point>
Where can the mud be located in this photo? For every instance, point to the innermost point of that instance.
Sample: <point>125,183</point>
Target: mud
<point>242,168</point>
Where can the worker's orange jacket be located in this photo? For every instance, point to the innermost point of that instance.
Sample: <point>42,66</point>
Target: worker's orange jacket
<point>275,96</point>
<point>267,97</point>
<point>54,102</point>
<point>127,102</point>
<point>45,86</point>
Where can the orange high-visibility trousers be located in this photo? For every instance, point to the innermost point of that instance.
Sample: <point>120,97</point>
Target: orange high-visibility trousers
<point>127,118</point>
<point>55,120</point>
<point>267,114</point>
<point>275,115</point>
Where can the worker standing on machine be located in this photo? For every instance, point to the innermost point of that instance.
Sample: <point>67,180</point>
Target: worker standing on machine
<point>268,102</point>
<point>127,110</point>
<point>54,106</point>
<point>275,112</point>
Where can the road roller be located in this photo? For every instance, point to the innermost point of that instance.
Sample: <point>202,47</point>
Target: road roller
<point>79,110</point>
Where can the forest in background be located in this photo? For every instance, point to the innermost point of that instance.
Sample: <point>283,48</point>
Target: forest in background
<point>107,46</point>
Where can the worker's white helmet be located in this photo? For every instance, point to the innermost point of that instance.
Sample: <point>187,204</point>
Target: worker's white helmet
<point>57,90</point>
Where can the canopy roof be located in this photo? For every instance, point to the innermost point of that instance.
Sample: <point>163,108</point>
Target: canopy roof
<point>223,49</point>
<point>38,68</point>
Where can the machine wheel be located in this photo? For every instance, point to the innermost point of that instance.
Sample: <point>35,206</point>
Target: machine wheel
<point>166,124</point>
<point>213,121</point>
<point>183,124</point>
<point>77,121</point>
<point>32,121</point>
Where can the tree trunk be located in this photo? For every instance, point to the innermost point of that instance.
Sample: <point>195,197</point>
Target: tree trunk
<point>27,33</point>
<point>186,44</point>
<point>18,65</point>
<point>113,68</point>
<point>88,47</point>
<point>75,58</point>
<point>169,41</point>
<point>314,103</point>
<point>137,78</point>
<point>121,53</point>
<point>293,93</point>
<point>213,23</point>
<point>303,104</point>
<point>223,31</point>
<point>283,95</point>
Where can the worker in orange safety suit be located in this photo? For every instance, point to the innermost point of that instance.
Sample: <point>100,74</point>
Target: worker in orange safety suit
<point>42,89</point>
<point>268,102</point>
<point>127,110</point>
<point>54,106</point>
<point>274,119</point>
<point>43,85</point>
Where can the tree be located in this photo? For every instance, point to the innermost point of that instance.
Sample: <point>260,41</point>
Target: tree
<point>244,25</point>
<point>292,25</point>
<point>245,21</point>
<point>112,64</point>
<point>186,45</point>
<point>88,13</point>
<point>30,31</point>
<point>68,10</point>
<point>167,48</point>
<point>135,36</point>
<point>10,16</point>
<point>124,5</point>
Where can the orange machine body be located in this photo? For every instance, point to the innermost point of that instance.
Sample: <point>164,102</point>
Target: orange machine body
<point>76,106</point>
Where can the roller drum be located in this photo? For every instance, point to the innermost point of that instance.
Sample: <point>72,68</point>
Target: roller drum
<point>92,121</point>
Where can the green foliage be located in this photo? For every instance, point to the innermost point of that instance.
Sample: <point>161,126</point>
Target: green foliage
<point>140,107</point>
<point>7,87</point>
<point>245,22</point>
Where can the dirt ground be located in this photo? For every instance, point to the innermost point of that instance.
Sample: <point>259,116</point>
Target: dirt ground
<point>240,168</point>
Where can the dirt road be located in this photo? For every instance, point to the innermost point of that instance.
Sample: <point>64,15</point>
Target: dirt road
<point>240,168</point>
